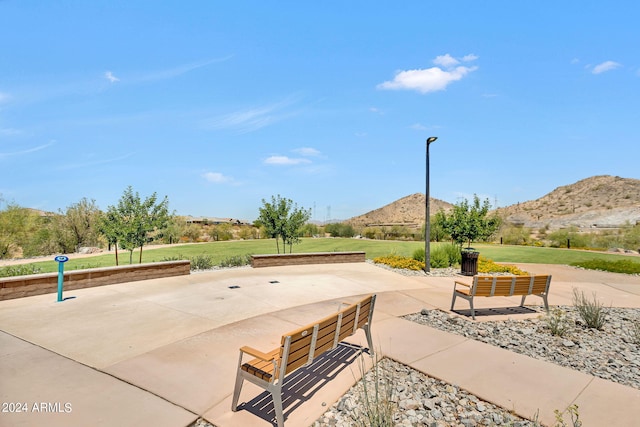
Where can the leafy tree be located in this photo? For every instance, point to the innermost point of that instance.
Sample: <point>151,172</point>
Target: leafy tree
<point>436,230</point>
<point>247,232</point>
<point>79,225</point>
<point>192,232</point>
<point>175,229</point>
<point>17,224</point>
<point>109,227</point>
<point>221,232</point>
<point>282,219</point>
<point>293,225</point>
<point>515,235</point>
<point>310,230</point>
<point>133,219</point>
<point>469,222</point>
<point>338,229</point>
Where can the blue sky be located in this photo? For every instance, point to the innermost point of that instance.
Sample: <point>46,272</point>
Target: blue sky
<point>219,105</point>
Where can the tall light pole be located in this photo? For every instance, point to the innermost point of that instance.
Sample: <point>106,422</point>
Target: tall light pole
<point>427,234</point>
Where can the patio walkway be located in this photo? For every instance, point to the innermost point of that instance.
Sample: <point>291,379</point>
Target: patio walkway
<point>163,352</point>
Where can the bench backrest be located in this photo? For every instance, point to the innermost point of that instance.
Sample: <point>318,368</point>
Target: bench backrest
<point>487,286</point>
<point>300,347</point>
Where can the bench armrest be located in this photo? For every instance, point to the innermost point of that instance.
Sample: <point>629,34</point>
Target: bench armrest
<point>461,283</point>
<point>256,353</point>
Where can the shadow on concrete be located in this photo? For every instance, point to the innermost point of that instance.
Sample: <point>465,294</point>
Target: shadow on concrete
<point>301,385</point>
<point>500,311</point>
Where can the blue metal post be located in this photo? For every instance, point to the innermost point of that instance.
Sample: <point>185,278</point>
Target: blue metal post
<point>60,280</point>
<point>60,259</point>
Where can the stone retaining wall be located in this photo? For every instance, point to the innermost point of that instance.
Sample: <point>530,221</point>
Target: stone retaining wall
<point>310,258</point>
<point>37,284</point>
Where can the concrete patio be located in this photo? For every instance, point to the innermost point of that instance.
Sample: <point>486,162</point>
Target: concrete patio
<point>163,352</point>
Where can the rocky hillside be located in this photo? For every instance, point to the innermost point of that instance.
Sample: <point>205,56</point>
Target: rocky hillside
<point>597,202</point>
<point>408,211</point>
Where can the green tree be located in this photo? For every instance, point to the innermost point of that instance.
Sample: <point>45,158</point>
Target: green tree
<point>282,219</point>
<point>17,225</point>
<point>221,232</point>
<point>469,222</point>
<point>109,227</point>
<point>175,229</point>
<point>192,232</point>
<point>133,219</point>
<point>436,230</point>
<point>293,227</point>
<point>80,224</point>
<point>338,229</point>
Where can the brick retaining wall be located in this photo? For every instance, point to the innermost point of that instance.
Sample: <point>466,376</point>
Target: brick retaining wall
<point>309,258</point>
<point>37,284</point>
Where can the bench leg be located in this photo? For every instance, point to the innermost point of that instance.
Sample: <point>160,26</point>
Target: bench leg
<point>522,302</point>
<point>473,312</point>
<point>546,302</point>
<point>276,393</point>
<point>236,392</point>
<point>453,299</point>
<point>367,331</point>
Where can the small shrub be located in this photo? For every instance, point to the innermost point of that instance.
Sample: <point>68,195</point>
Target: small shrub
<point>19,270</point>
<point>376,397</point>
<point>418,254</point>
<point>592,312</point>
<point>173,258</point>
<point>575,417</point>
<point>397,261</point>
<point>236,261</point>
<point>626,266</point>
<point>201,262</point>
<point>439,258</point>
<point>453,253</point>
<point>486,265</point>
<point>557,322</point>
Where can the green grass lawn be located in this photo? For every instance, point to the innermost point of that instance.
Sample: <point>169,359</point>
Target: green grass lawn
<point>219,251</point>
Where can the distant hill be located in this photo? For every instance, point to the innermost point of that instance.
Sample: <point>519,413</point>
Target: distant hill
<point>408,211</point>
<point>597,202</point>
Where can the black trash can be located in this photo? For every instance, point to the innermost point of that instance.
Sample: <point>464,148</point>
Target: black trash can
<point>469,263</point>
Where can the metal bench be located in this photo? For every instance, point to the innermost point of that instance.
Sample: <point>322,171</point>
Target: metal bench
<point>299,348</point>
<point>503,286</point>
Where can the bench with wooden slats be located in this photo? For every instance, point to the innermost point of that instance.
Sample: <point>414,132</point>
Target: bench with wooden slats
<point>299,348</point>
<point>504,286</point>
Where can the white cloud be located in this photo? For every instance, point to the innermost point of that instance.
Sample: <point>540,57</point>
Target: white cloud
<point>252,119</point>
<point>109,76</point>
<point>181,69</point>
<point>27,151</point>
<point>307,151</point>
<point>216,177</point>
<point>431,79</point>
<point>284,160</point>
<point>92,163</point>
<point>605,66</point>
<point>446,61</point>
<point>418,126</point>
<point>470,57</point>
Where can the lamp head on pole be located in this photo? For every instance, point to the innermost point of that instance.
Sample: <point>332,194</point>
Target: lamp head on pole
<point>431,139</point>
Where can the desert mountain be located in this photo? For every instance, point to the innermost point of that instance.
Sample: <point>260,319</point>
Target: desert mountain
<point>408,211</point>
<point>597,202</point>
